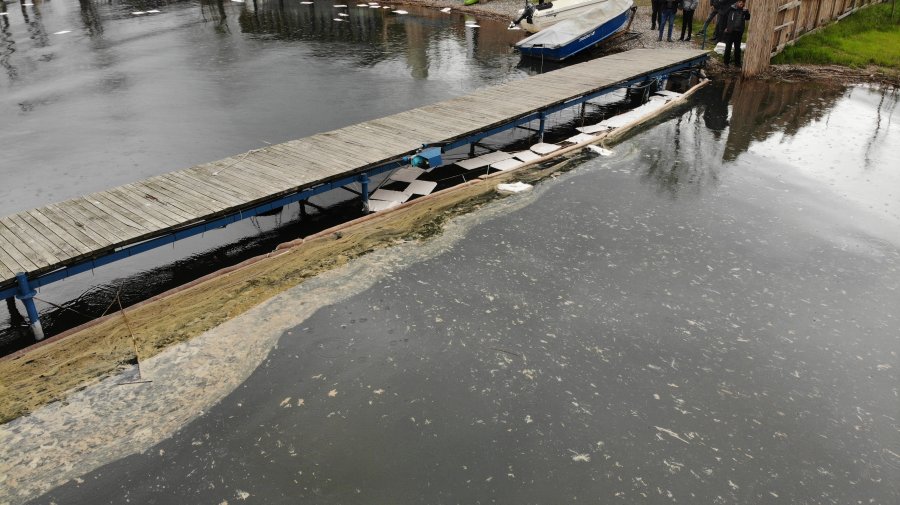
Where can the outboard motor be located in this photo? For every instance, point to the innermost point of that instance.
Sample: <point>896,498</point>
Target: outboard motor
<point>527,14</point>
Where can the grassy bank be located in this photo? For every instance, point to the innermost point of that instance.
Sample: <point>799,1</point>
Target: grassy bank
<point>868,37</point>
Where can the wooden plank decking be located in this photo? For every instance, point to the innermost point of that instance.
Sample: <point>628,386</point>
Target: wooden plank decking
<point>57,235</point>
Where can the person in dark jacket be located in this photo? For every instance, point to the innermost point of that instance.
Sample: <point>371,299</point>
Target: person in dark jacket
<point>718,34</point>
<point>667,15</point>
<point>654,13</point>
<point>735,19</point>
<point>687,17</point>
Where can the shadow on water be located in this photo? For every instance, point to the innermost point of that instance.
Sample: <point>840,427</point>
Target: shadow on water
<point>100,300</point>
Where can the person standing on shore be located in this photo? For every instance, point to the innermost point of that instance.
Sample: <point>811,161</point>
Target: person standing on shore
<point>721,14</point>
<point>667,15</point>
<point>687,17</point>
<point>735,19</point>
<point>654,13</point>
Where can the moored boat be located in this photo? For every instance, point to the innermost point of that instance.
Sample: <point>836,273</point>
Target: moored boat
<point>536,17</point>
<point>569,37</point>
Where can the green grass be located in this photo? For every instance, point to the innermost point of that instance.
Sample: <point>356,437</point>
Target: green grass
<point>867,37</point>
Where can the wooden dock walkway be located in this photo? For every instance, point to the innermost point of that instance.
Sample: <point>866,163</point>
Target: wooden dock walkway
<point>59,235</point>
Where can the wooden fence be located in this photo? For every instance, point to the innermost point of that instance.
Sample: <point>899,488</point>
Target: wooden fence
<point>776,24</point>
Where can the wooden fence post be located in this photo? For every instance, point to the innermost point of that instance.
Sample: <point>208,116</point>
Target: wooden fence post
<point>759,37</point>
<point>702,11</point>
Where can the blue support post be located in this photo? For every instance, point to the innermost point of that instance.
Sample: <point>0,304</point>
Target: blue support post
<point>26,294</point>
<point>541,128</point>
<point>364,192</point>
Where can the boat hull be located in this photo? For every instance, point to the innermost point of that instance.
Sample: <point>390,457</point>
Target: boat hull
<point>587,40</point>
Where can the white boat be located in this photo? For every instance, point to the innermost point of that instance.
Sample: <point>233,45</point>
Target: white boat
<point>571,36</point>
<point>535,17</point>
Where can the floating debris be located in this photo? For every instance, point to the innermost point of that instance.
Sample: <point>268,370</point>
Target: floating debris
<point>445,10</point>
<point>526,156</point>
<point>580,457</point>
<point>407,174</point>
<point>332,393</point>
<point>594,128</point>
<point>483,160</point>
<point>400,12</point>
<point>543,149</point>
<point>141,13</point>
<point>390,195</point>
<point>581,137</point>
<point>472,25</point>
<point>420,188</point>
<point>599,150</point>
<point>671,434</point>
<point>380,205</point>
<point>63,32</point>
<point>513,188</point>
<point>508,164</point>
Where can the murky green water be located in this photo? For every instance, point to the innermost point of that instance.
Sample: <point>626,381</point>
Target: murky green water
<point>709,316</point>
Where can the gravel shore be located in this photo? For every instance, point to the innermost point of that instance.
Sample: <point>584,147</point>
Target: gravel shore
<point>505,10</point>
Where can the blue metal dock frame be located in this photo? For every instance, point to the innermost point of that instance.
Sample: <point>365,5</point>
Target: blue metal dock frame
<point>24,290</point>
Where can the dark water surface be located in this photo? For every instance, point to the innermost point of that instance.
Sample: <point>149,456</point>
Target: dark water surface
<point>93,96</point>
<point>709,316</point>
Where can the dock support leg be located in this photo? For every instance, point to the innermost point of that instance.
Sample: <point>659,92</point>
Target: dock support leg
<point>26,294</point>
<point>472,149</point>
<point>364,182</point>
<point>541,128</point>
